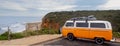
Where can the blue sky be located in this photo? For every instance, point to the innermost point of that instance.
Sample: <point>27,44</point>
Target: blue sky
<point>42,7</point>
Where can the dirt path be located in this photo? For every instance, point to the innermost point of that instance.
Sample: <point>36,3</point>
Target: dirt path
<point>28,40</point>
<point>117,40</point>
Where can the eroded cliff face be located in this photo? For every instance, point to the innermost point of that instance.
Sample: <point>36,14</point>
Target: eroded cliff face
<point>46,23</point>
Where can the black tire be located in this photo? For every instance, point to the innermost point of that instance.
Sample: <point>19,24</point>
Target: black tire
<point>99,40</point>
<point>70,37</point>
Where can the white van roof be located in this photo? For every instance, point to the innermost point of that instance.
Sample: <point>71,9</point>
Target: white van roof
<point>88,21</point>
<point>95,21</point>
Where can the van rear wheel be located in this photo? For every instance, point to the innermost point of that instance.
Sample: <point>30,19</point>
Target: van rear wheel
<point>70,37</point>
<point>99,40</point>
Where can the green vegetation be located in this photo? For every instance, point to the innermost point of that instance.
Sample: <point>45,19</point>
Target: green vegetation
<point>112,16</point>
<point>12,36</point>
<point>28,33</point>
<point>49,31</point>
<point>4,36</point>
<point>116,34</point>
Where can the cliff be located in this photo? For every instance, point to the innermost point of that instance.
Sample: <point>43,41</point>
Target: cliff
<point>55,20</point>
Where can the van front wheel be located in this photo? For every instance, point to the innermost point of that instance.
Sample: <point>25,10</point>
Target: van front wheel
<point>70,37</point>
<point>99,40</point>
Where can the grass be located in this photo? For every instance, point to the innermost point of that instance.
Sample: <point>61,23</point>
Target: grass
<point>17,35</point>
<point>28,33</point>
<point>49,31</point>
<point>12,36</point>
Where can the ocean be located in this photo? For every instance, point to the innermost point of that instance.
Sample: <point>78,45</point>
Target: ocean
<point>16,23</point>
<point>8,20</point>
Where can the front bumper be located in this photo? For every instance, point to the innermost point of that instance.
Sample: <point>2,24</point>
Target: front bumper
<point>113,40</point>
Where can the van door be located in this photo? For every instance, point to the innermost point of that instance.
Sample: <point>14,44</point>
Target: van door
<point>69,28</point>
<point>82,30</point>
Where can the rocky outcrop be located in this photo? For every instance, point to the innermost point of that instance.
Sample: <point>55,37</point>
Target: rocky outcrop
<point>33,26</point>
<point>50,24</point>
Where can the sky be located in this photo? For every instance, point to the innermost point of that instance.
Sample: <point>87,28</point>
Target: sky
<point>42,7</point>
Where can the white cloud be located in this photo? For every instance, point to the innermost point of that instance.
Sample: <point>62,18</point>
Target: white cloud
<point>12,6</point>
<point>58,8</point>
<point>111,4</point>
<point>35,7</point>
<point>23,5</point>
<point>54,5</point>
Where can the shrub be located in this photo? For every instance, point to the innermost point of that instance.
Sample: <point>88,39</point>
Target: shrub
<point>4,36</point>
<point>30,33</point>
<point>116,34</point>
<point>49,31</point>
<point>16,35</point>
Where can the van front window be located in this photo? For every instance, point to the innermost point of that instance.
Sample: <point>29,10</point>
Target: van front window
<point>69,24</point>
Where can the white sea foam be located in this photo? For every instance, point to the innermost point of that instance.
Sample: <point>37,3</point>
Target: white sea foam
<point>14,28</point>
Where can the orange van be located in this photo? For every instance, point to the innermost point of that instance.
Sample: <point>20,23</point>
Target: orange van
<point>97,30</point>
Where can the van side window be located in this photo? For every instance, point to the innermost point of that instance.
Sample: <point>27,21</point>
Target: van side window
<point>81,24</point>
<point>97,25</point>
<point>69,24</point>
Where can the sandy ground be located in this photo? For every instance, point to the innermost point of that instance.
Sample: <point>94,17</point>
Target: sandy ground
<point>29,40</point>
<point>117,40</point>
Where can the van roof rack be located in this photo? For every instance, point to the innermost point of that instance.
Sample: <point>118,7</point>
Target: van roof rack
<point>88,18</point>
<point>91,17</point>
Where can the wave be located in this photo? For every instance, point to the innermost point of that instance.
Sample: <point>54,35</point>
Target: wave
<point>14,28</point>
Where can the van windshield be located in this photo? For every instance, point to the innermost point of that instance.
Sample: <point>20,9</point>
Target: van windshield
<point>69,24</point>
